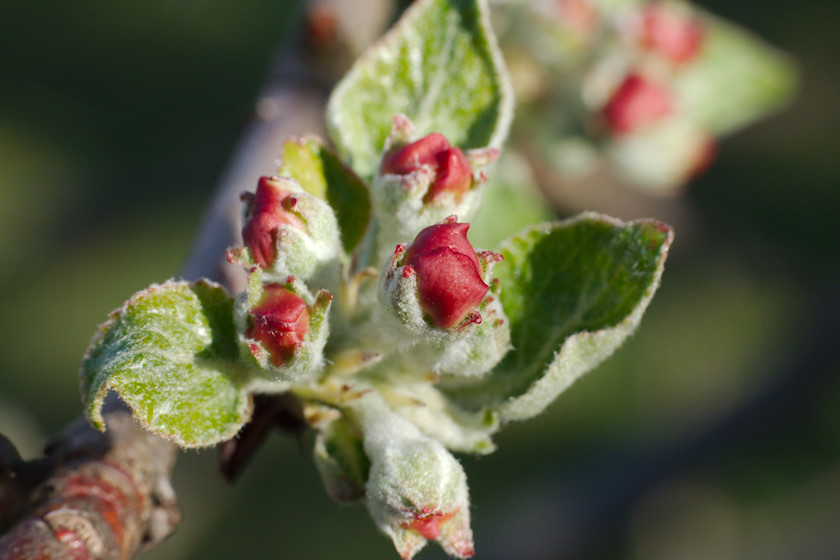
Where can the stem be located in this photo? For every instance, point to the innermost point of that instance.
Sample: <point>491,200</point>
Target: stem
<point>106,496</point>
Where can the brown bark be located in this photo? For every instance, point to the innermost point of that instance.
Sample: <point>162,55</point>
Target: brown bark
<point>107,495</point>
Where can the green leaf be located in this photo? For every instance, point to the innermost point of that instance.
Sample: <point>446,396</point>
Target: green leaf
<point>510,202</point>
<point>572,291</point>
<point>737,79</point>
<point>171,354</point>
<point>440,67</point>
<point>341,461</point>
<point>321,173</point>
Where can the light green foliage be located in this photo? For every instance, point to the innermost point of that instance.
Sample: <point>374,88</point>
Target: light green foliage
<point>321,173</point>
<point>171,354</point>
<point>573,291</point>
<point>341,460</point>
<point>441,68</point>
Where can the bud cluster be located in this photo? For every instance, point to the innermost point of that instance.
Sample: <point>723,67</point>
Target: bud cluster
<point>288,235</point>
<point>422,181</point>
<point>625,75</point>
<point>649,136</point>
<point>368,315</point>
<point>434,317</point>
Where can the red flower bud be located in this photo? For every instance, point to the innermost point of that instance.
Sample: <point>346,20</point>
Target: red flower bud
<point>636,103</point>
<point>674,33</point>
<point>422,152</point>
<point>453,172</point>
<point>448,273</point>
<point>279,322</point>
<point>271,207</point>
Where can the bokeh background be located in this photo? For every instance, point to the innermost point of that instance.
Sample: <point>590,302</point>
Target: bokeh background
<point>713,433</point>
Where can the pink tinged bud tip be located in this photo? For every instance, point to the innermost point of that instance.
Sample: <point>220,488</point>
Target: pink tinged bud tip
<point>453,173</point>
<point>672,33</point>
<point>636,103</point>
<point>427,523</point>
<point>448,273</point>
<point>271,207</point>
<point>279,323</point>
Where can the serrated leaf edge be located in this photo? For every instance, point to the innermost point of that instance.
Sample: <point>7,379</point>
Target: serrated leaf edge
<point>93,406</point>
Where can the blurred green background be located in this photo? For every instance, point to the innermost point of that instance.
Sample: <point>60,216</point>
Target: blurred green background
<point>713,433</point>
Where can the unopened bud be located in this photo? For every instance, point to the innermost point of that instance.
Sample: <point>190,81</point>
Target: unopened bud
<point>271,206</point>
<point>438,290</point>
<point>421,182</point>
<point>670,30</point>
<point>287,231</point>
<point>416,489</point>
<point>637,102</point>
<point>449,276</point>
<point>439,274</point>
<point>279,322</point>
<point>283,328</point>
<point>451,171</point>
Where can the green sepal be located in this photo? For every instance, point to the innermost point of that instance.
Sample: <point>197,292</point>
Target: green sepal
<point>341,461</point>
<point>440,67</point>
<point>307,360</point>
<point>573,291</point>
<point>321,173</point>
<point>170,352</point>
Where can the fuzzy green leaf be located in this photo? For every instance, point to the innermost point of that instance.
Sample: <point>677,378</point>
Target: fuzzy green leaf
<point>440,67</point>
<point>737,79</point>
<point>341,461</point>
<point>170,352</point>
<point>321,173</point>
<point>572,291</point>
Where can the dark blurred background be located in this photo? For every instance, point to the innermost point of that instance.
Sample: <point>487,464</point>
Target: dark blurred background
<point>713,433</point>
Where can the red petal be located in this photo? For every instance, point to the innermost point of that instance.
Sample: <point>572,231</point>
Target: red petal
<point>454,175</point>
<point>449,285</point>
<point>410,157</point>
<point>279,322</point>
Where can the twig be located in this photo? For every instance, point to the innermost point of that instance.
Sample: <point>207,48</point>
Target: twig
<point>106,496</point>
